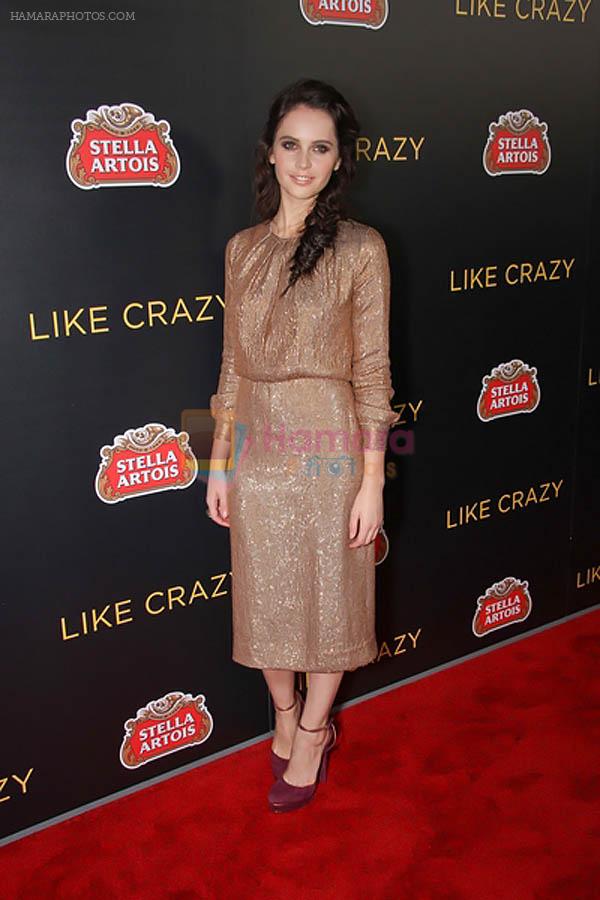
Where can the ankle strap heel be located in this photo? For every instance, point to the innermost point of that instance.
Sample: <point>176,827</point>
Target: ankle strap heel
<point>283,796</point>
<point>279,763</point>
<point>329,743</point>
<point>322,728</point>
<point>330,726</point>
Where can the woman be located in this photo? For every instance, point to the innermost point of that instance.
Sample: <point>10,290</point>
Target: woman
<point>303,397</point>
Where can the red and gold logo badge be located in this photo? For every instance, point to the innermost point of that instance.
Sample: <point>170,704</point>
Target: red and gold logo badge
<point>368,13</point>
<point>145,460</point>
<point>504,603</point>
<point>517,143</point>
<point>172,723</point>
<point>121,146</point>
<point>509,389</point>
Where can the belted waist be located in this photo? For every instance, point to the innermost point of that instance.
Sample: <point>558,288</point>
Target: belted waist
<point>294,378</point>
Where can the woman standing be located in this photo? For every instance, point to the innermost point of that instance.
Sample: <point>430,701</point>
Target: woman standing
<point>304,397</point>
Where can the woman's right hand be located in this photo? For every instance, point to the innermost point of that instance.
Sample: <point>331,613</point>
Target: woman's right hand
<point>218,483</point>
<point>216,499</point>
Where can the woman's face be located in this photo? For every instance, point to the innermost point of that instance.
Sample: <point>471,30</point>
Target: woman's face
<point>305,152</point>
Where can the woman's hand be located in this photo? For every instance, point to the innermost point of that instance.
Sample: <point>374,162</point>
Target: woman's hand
<point>366,515</point>
<point>216,499</point>
<point>218,483</point>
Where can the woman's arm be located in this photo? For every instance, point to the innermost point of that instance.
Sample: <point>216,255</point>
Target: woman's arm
<point>222,407</point>
<point>371,381</point>
<point>222,402</point>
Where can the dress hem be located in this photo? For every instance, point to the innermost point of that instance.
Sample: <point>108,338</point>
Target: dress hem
<point>347,664</point>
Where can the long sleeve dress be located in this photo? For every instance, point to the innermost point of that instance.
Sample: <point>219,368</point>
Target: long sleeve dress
<point>304,386</point>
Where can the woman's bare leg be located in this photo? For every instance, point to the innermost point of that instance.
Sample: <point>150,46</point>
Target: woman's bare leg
<point>281,684</point>
<point>307,747</point>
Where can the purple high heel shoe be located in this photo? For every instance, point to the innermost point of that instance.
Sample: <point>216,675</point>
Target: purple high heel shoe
<point>285,797</point>
<point>279,763</point>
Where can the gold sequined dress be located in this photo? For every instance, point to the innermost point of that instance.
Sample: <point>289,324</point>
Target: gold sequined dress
<point>304,384</point>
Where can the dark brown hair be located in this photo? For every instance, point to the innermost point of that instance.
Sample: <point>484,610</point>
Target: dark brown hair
<point>320,225</point>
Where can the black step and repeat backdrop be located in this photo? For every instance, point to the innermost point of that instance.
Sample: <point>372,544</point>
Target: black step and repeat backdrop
<point>127,164</point>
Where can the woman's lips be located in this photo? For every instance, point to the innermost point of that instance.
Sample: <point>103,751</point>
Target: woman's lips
<point>302,181</point>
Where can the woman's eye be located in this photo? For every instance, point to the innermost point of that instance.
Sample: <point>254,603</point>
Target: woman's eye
<point>287,145</point>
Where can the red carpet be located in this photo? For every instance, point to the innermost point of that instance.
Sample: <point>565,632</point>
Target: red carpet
<point>480,781</point>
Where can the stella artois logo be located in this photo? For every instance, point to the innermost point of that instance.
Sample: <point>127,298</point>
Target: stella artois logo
<point>121,146</point>
<point>172,723</point>
<point>145,460</point>
<point>504,603</point>
<point>510,388</point>
<point>368,13</point>
<point>517,143</point>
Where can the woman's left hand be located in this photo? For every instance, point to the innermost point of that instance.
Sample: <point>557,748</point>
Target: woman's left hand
<point>366,515</point>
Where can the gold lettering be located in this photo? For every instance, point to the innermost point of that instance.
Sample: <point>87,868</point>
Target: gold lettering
<point>95,318</point>
<point>493,9</point>
<point>156,310</point>
<point>531,496</point>
<point>33,332</point>
<point>591,576</point>
<point>370,151</point>
<point>207,298</point>
<point>414,637</point>
<point>121,613</point>
<point>63,630</point>
<point>181,311</point>
<point>216,592</point>
<point>176,594</point>
<point>547,10</point>
<point>133,305</point>
<point>399,648</point>
<point>472,512</point>
<point>399,638</point>
<point>90,623</point>
<point>23,781</point>
<point>544,485</point>
<point>149,598</point>
<point>384,650</point>
<point>198,591</point>
<point>70,322</point>
<point>382,150</point>
<point>417,145</point>
<point>415,409</point>
<point>97,618</point>
<point>401,141</point>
